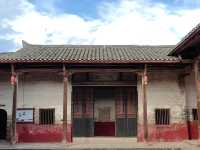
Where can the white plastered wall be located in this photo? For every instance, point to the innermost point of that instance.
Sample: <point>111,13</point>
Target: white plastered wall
<point>191,97</point>
<point>41,91</point>
<point>163,91</point>
<point>6,93</point>
<point>190,91</point>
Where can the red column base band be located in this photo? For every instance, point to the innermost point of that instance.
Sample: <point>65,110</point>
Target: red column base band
<point>69,133</point>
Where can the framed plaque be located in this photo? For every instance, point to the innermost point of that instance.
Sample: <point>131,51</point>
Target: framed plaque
<point>25,115</point>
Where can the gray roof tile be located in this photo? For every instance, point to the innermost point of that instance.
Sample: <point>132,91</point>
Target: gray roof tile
<point>89,53</point>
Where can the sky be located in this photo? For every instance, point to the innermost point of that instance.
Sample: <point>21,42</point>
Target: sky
<point>116,22</point>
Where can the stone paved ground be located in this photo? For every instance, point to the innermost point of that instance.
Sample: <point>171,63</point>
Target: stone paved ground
<point>107,143</point>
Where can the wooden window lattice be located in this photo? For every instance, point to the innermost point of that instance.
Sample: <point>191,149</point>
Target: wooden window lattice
<point>104,114</point>
<point>47,116</point>
<point>82,102</point>
<point>194,114</point>
<point>162,116</point>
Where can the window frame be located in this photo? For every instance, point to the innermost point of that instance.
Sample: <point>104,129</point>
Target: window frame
<point>47,122</point>
<point>164,117</point>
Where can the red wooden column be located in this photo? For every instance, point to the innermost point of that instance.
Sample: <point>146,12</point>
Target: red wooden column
<point>14,104</point>
<point>67,106</point>
<point>197,83</point>
<point>144,99</point>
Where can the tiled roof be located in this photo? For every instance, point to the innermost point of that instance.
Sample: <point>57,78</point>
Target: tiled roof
<point>6,56</point>
<point>90,54</point>
<point>185,39</point>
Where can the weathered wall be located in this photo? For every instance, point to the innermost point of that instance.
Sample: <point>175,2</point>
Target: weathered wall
<point>165,89</point>
<point>40,91</point>
<point>191,103</point>
<point>190,91</point>
<point>35,91</point>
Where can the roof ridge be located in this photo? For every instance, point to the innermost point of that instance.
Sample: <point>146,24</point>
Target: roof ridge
<point>28,45</point>
<point>6,52</point>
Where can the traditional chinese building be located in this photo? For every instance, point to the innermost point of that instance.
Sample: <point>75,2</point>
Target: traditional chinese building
<point>53,93</point>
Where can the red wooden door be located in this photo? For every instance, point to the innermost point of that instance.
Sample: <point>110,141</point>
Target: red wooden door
<point>104,129</point>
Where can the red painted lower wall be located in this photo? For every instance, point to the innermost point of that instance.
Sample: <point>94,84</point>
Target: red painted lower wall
<point>172,132</point>
<point>54,133</point>
<point>69,133</point>
<point>39,133</point>
<point>193,129</point>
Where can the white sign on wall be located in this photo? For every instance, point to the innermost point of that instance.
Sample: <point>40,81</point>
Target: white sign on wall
<point>25,115</point>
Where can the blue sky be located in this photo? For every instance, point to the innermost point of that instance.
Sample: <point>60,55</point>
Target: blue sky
<point>83,8</point>
<point>143,22</point>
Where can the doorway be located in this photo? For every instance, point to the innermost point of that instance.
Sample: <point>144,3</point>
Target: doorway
<point>104,114</point>
<point>105,111</point>
<point>3,124</point>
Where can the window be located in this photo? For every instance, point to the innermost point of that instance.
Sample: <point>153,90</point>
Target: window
<point>47,116</point>
<point>194,114</point>
<point>162,116</point>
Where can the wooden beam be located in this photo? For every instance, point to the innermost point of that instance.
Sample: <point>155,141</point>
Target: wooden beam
<point>100,70</point>
<point>39,70</point>
<point>144,98</point>
<point>197,83</point>
<point>151,68</point>
<point>82,70</point>
<point>14,104</point>
<point>67,123</point>
<point>105,83</point>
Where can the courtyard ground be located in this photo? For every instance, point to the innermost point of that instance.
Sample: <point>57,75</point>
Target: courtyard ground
<point>106,143</point>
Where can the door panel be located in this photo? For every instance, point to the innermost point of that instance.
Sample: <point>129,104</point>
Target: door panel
<point>121,127</point>
<point>104,129</point>
<point>126,111</point>
<point>82,127</point>
<point>132,127</point>
<point>83,123</point>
